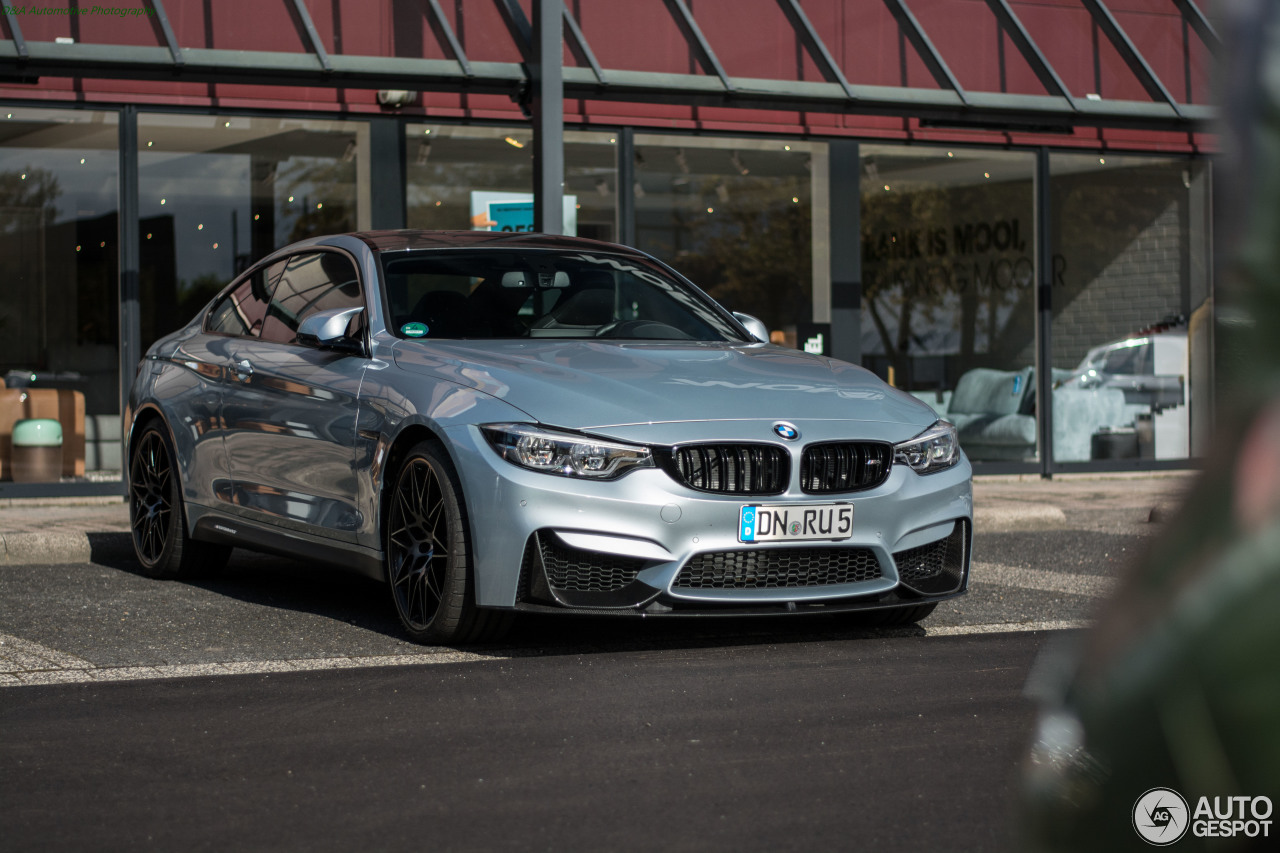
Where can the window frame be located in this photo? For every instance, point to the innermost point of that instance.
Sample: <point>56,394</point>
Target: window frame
<point>283,261</point>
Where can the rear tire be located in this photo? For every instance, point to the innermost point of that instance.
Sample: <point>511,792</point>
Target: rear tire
<point>428,554</point>
<point>157,517</point>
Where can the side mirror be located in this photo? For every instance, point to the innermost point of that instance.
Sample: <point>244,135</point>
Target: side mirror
<point>328,330</point>
<point>758,330</point>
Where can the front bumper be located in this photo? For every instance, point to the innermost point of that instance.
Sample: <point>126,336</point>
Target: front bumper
<point>646,544</point>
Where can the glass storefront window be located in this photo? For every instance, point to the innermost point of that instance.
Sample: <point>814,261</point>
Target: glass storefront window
<point>217,193</point>
<point>590,179</point>
<point>743,219</point>
<point>59,306</point>
<point>948,272</point>
<point>1131,308</point>
<point>462,178</point>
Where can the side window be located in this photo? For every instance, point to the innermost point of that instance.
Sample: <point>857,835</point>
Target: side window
<point>317,281</point>
<point>243,311</point>
<point>1128,360</point>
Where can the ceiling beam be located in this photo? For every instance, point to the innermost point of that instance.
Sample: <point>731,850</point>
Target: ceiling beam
<point>19,43</point>
<point>1129,53</point>
<point>814,45</point>
<point>928,53</point>
<point>1196,18</point>
<point>1029,49</point>
<point>581,49</point>
<point>440,24</point>
<point>517,25</point>
<point>170,40</point>
<point>312,37</point>
<point>201,65</point>
<point>696,40</point>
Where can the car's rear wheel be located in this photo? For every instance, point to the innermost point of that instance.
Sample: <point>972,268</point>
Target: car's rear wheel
<point>157,518</point>
<point>428,554</point>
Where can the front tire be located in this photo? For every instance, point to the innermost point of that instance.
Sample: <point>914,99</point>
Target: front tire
<point>428,554</point>
<point>157,518</point>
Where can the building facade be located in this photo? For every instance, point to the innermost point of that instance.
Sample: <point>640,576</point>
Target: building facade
<point>1002,207</point>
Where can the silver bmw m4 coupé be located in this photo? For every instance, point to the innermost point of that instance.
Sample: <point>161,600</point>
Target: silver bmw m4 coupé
<point>496,422</point>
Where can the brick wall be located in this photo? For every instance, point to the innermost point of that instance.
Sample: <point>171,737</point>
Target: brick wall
<point>1123,256</point>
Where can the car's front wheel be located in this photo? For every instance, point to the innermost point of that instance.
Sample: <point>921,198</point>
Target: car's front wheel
<point>156,516</point>
<point>428,554</point>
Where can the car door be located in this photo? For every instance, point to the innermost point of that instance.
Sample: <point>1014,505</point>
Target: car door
<point>202,385</point>
<point>290,410</point>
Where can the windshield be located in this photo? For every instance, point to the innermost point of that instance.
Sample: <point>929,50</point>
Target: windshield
<point>532,294</point>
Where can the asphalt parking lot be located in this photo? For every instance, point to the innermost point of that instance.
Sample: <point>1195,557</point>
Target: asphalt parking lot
<point>275,706</point>
<point>76,609</point>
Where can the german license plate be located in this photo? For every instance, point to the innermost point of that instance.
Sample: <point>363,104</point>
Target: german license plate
<point>795,523</point>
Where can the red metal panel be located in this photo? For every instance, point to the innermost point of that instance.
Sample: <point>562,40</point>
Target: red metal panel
<point>237,25</point>
<point>480,29</point>
<point>43,27</point>
<point>723,118</point>
<point>973,44</point>
<point>1159,37</point>
<point>635,35</point>
<point>753,38</point>
<point>870,48</point>
<point>1079,51</point>
<point>125,24</point>
<point>622,112</point>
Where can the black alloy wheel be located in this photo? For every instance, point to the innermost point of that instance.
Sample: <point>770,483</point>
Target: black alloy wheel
<point>156,517</point>
<point>428,554</point>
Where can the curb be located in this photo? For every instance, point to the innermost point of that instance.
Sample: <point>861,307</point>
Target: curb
<point>21,549</point>
<point>1004,519</point>
<point>63,547</point>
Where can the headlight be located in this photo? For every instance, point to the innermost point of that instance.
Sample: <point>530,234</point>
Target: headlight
<point>563,453</point>
<point>935,449</point>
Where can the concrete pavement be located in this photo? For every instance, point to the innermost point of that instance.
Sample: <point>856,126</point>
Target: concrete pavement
<point>74,530</point>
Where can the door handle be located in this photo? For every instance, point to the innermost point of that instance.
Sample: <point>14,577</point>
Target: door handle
<point>243,369</point>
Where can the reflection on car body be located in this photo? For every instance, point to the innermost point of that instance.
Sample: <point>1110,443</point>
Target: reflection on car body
<point>495,422</point>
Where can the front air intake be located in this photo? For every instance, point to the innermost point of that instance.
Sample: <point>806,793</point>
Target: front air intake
<point>778,568</point>
<point>938,567</point>
<point>573,570</point>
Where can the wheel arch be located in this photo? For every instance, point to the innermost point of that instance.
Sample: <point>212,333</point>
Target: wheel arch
<point>408,438</point>
<point>144,417</point>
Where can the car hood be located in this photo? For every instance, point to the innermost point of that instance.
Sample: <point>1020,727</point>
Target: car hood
<point>595,385</point>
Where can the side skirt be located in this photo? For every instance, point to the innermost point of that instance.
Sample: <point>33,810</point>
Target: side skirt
<point>210,526</point>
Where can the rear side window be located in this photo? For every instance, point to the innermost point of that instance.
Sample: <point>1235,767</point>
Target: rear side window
<point>1130,359</point>
<point>316,281</point>
<point>243,311</point>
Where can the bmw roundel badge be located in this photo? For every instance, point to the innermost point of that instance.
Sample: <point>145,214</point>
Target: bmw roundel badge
<point>785,430</point>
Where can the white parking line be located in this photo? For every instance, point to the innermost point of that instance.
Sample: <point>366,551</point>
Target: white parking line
<point>40,665</point>
<point>1095,586</point>
<point>18,655</point>
<point>1005,627</point>
<point>88,673</point>
<point>23,662</point>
